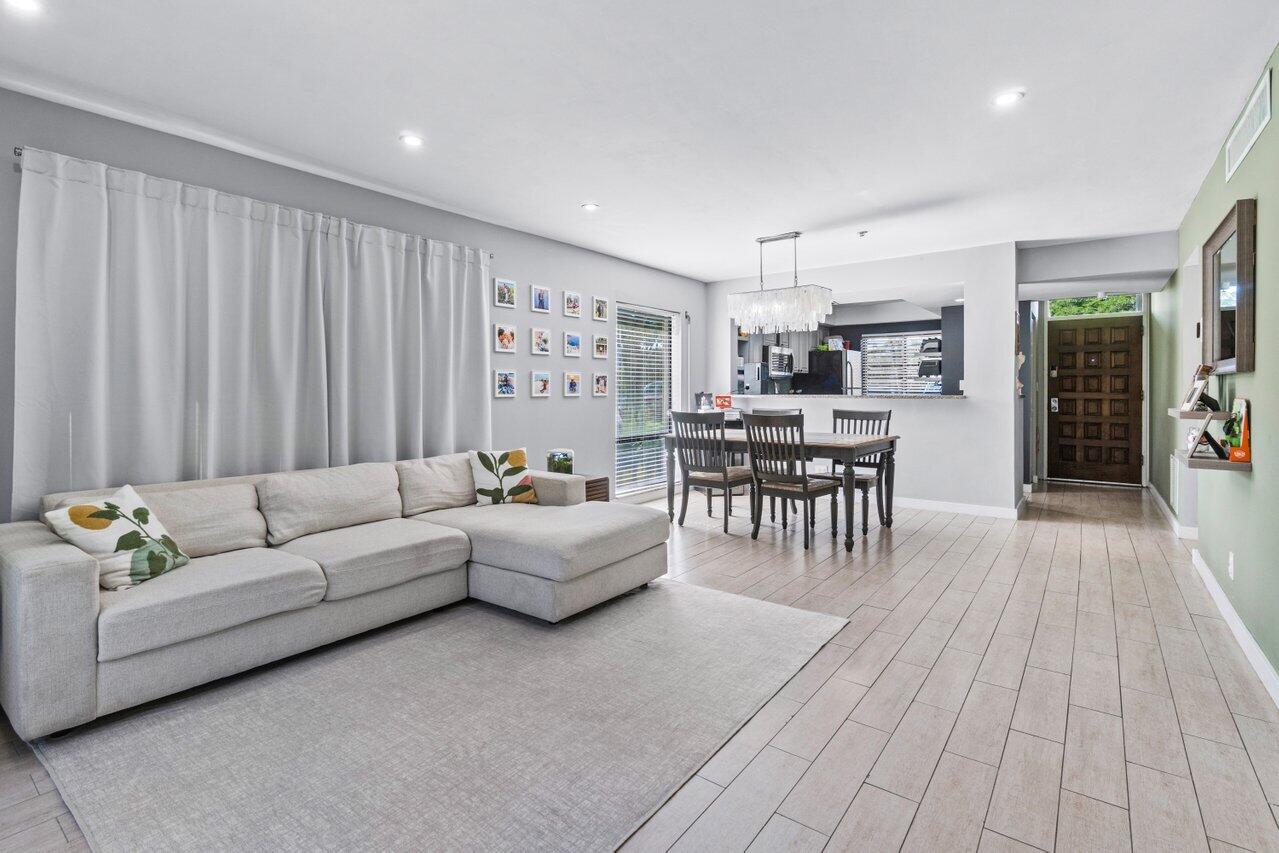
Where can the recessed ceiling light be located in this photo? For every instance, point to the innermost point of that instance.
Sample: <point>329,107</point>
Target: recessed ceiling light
<point>959,299</point>
<point>25,7</point>
<point>1007,99</point>
<point>412,140</point>
<point>590,206</point>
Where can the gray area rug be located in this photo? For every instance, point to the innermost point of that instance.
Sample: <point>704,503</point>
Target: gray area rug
<point>472,728</point>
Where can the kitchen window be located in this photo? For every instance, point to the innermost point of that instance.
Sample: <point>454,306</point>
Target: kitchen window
<point>890,364</point>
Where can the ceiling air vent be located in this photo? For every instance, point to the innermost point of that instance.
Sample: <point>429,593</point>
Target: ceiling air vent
<point>1254,119</point>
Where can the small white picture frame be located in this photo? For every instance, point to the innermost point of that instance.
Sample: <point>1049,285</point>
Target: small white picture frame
<point>599,384</point>
<point>504,336</point>
<point>540,341</point>
<point>572,304</point>
<point>599,346</point>
<point>539,383</point>
<point>503,384</point>
<point>504,291</point>
<point>572,384</point>
<point>539,299</point>
<point>599,309</point>
<point>572,345</point>
<point>1191,399</point>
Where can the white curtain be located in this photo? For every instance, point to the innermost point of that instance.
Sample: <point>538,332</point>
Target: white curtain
<point>171,332</point>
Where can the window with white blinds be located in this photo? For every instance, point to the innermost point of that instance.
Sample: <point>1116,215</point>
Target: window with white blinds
<point>644,340</point>
<point>890,364</point>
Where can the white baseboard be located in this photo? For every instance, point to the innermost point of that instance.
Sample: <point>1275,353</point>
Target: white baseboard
<point>965,509</point>
<point>1260,663</point>
<point>1182,531</point>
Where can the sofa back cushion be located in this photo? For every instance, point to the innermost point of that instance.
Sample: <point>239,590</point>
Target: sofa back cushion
<point>302,502</point>
<point>203,518</point>
<point>437,482</point>
<point>211,520</point>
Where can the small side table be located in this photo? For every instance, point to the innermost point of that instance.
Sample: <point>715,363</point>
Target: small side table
<point>596,487</point>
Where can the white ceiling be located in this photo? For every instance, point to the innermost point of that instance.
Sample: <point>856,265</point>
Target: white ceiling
<point>697,125</point>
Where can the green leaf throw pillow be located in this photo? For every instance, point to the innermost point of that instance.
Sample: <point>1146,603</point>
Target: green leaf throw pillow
<point>501,476</point>
<point>129,543</point>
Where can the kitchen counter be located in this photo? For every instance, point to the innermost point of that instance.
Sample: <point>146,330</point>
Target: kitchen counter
<point>797,397</point>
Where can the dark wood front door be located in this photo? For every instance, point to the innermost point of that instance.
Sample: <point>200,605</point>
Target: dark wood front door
<point>1094,399</point>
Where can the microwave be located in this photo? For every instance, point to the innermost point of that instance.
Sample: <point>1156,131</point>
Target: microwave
<point>778,361</point>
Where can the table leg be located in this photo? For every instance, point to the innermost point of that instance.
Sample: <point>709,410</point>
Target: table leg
<point>670,481</point>
<point>850,481</point>
<point>890,471</point>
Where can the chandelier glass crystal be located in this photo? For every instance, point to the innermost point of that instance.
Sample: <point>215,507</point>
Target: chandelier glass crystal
<point>787,309</point>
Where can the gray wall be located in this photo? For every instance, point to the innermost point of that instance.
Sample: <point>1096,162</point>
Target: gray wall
<point>585,424</point>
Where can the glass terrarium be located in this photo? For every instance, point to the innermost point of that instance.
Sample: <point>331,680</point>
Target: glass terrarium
<point>560,460</point>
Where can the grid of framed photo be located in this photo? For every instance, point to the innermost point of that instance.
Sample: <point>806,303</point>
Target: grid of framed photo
<point>573,304</point>
<point>540,383</point>
<point>572,383</point>
<point>503,383</point>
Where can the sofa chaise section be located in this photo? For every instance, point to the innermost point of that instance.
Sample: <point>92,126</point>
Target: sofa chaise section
<point>554,561</point>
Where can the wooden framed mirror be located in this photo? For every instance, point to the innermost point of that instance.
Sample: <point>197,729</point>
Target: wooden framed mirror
<point>1229,291</point>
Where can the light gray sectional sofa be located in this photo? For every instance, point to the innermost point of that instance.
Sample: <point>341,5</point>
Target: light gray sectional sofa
<point>282,563</point>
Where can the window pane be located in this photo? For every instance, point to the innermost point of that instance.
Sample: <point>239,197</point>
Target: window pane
<point>1116,303</point>
<point>642,388</point>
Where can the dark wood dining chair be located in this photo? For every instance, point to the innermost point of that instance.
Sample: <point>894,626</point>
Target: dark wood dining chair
<point>779,466</point>
<point>772,501</point>
<point>704,462</point>
<point>867,471</point>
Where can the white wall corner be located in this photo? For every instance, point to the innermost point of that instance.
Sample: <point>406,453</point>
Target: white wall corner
<point>1256,657</point>
<point>1181,530</point>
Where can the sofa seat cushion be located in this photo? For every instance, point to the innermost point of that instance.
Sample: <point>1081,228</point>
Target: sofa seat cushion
<point>207,595</point>
<point>555,542</point>
<point>373,556</point>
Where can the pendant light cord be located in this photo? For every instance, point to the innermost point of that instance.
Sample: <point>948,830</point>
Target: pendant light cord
<point>761,267</point>
<point>795,249</point>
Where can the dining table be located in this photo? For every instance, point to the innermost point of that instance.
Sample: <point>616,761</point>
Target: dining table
<point>840,447</point>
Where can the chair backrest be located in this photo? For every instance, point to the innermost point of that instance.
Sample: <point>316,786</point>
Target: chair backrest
<point>852,422</point>
<point>777,411</point>
<point>775,444</point>
<point>699,442</point>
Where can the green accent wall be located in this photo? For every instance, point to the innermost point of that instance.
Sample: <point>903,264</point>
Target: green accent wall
<point>1238,512</point>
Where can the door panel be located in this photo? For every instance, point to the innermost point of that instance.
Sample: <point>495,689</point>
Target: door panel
<point>1094,374</point>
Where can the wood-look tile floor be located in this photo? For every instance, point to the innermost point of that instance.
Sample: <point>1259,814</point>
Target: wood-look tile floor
<point>1060,682</point>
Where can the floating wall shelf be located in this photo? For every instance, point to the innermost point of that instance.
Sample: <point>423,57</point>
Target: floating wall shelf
<point>1197,416</point>
<point>1208,464</point>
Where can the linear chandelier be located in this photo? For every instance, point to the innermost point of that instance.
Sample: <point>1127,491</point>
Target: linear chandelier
<point>787,309</point>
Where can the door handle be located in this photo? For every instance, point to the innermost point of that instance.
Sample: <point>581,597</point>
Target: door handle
<point>1053,405</point>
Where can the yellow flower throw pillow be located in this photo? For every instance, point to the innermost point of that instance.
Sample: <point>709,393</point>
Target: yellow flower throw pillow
<point>503,476</point>
<point>129,543</point>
